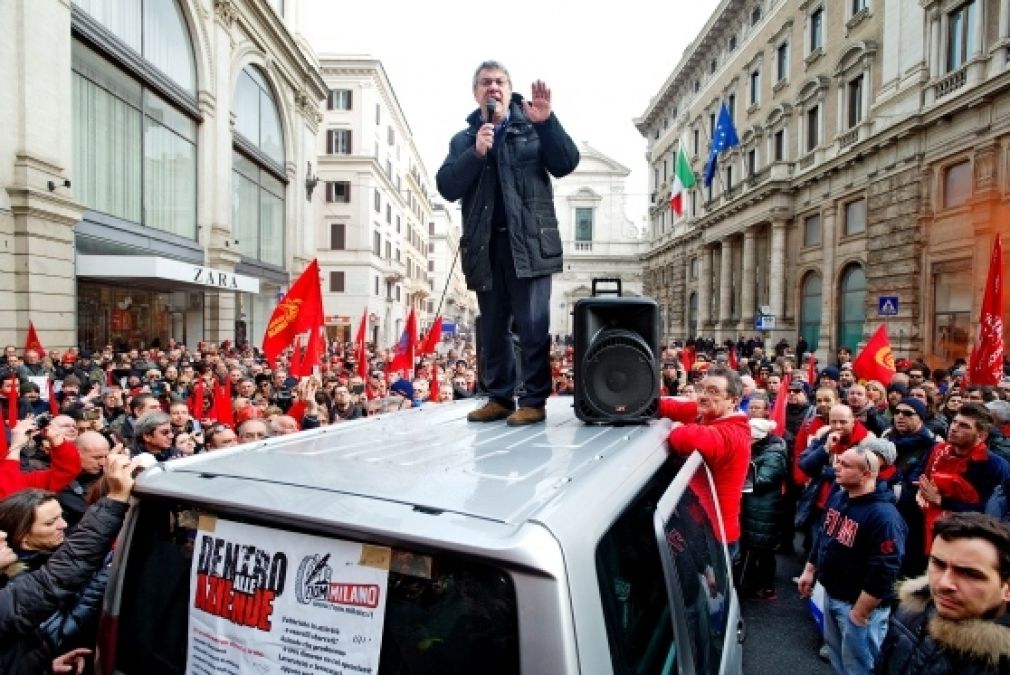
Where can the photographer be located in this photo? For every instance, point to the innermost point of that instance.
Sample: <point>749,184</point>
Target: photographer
<point>65,462</point>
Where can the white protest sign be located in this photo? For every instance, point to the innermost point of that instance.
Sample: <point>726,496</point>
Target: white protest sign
<point>270,601</point>
<point>43,383</point>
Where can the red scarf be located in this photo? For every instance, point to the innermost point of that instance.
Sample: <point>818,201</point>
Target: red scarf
<point>946,470</point>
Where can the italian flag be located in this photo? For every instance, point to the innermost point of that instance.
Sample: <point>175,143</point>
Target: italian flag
<point>683,179</point>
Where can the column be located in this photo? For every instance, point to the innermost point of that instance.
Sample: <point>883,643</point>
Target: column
<point>748,283</point>
<point>705,291</point>
<point>725,289</point>
<point>824,349</point>
<point>777,270</point>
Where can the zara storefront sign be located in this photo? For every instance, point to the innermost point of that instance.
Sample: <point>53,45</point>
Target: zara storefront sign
<point>171,273</point>
<point>215,278</point>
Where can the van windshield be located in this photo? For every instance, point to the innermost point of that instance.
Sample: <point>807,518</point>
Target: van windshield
<point>444,613</point>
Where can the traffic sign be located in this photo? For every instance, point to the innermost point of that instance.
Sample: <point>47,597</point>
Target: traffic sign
<point>764,322</point>
<point>887,305</point>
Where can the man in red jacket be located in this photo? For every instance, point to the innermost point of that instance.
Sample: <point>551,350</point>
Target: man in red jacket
<point>66,461</point>
<point>715,428</point>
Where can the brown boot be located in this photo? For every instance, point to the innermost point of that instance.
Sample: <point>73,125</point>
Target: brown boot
<point>489,412</point>
<point>526,415</point>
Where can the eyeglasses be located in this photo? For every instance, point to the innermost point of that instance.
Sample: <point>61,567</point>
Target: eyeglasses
<point>488,81</point>
<point>904,412</point>
<point>713,391</point>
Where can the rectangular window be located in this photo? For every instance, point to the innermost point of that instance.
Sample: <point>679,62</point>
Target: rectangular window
<point>751,161</point>
<point>398,292</point>
<point>782,62</point>
<point>378,202</point>
<point>391,135</point>
<point>731,106</point>
<point>952,297</point>
<point>817,29</point>
<point>338,191</point>
<point>336,282</point>
<point>338,236</point>
<point>339,99</point>
<point>376,243</point>
<point>376,280</point>
<point>693,198</point>
<point>338,141</point>
<point>812,230</point>
<point>961,27</point>
<point>855,217</point>
<point>956,185</point>
<point>583,224</point>
<point>389,213</point>
<point>378,114</point>
<point>779,141</point>
<point>431,265</point>
<point>858,6</point>
<point>855,112</point>
<point>389,250</point>
<point>695,141</point>
<point>813,128</point>
<point>755,86</point>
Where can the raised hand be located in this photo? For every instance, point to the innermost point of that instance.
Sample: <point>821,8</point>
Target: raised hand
<point>538,107</point>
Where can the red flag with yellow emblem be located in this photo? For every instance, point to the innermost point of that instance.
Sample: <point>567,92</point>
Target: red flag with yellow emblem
<point>301,310</point>
<point>876,362</point>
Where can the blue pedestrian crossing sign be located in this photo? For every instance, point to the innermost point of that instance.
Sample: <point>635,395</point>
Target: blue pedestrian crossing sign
<point>887,305</point>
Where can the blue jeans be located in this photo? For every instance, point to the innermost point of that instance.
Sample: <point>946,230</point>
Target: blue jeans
<point>527,301</point>
<point>851,648</point>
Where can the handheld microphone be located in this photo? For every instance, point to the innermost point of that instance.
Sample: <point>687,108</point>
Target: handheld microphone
<point>489,108</point>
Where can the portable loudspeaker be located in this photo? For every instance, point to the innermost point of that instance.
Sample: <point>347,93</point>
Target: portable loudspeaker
<point>617,376</point>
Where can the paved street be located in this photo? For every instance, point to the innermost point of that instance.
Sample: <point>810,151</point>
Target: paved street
<point>781,635</point>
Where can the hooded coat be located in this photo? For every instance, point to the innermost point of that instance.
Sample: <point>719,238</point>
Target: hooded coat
<point>920,642</point>
<point>761,514</point>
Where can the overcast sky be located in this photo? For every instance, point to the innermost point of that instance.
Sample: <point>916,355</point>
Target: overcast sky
<point>602,62</point>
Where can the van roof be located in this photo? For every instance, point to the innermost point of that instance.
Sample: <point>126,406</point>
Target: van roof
<point>433,459</point>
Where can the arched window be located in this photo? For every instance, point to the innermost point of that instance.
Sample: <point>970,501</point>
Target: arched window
<point>258,170</point>
<point>692,315</point>
<point>810,309</point>
<point>851,307</point>
<point>135,119</point>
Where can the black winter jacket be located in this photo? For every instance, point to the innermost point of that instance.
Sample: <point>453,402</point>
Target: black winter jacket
<point>919,642</point>
<point>761,512</point>
<point>32,597</point>
<point>524,157</point>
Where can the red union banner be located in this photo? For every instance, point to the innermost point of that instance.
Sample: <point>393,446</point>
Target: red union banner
<point>876,362</point>
<point>986,362</point>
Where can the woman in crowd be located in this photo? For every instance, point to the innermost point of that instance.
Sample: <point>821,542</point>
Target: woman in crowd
<point>47,581</point>
<point>951,404</point>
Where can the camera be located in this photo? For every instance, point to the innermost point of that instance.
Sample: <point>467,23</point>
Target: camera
<point>42,421</point>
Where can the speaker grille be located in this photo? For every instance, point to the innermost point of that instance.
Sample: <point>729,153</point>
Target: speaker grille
<point>620,376</point>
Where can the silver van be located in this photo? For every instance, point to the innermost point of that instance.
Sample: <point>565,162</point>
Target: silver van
<point>450,547</point>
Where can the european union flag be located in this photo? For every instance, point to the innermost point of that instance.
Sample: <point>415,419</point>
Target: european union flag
<point>723,138</point>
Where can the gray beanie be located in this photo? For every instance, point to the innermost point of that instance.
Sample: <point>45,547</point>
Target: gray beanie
<point>883,448</point>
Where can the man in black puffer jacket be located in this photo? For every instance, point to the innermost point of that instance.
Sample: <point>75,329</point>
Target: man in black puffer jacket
<point>955,619</point>
<point>30,598</point>
<point>501,167</point>
<point>761,510</point>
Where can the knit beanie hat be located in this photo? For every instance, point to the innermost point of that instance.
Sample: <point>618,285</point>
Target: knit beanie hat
<point>830,371</point>
<point>898,387</point>
<point>760,428</point>
<point>917,405</point>
<point>883,448</point>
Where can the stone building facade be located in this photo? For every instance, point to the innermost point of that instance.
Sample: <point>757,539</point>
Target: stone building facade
<point>377,204</point>
<point>599,239</point>
<point>154,160</point>
<point>873,164</point>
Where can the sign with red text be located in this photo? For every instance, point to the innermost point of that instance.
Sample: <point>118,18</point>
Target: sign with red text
<point>270,601</point>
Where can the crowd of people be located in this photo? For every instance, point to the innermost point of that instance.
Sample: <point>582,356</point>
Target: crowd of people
<point>899,490</point>
<point>869,473</point>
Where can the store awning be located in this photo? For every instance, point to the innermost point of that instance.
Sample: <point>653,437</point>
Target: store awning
<point>173,274</point>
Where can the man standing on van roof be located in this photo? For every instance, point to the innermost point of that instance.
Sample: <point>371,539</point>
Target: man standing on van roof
<point>500,166</point>
<point>715,428</point>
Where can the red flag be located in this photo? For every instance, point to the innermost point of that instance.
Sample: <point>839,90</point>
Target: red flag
<point>360,348</point>
<point>779,409</point>
<point>299,311</point>
<point>313,354</point>
<point>812,371</point>
<point>434,336</point>
<point>12,403</point>
<point>295,363</point>
<point>733,361</point>
<point>433,390</point>
<point>985,366</point>
<point>687,358</point>
<point>54,407</point>
<point>875,361</point>
<point>32,341</point>
<point>403,358</point>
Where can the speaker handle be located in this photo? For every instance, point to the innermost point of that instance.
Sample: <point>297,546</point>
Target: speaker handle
<point>616,281</point>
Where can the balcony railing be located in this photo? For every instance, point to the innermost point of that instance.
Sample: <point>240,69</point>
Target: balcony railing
<point>808,160</point>
<point>584,246</point>
<point>848,138</point>
<point>951,82</point>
